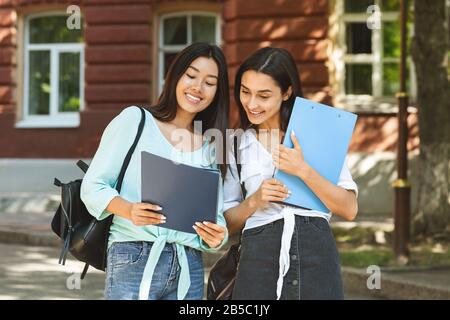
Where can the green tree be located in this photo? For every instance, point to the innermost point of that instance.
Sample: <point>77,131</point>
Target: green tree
<point>430,53</point>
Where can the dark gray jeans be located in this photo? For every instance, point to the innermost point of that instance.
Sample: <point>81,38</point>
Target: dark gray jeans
<point>314,271</point>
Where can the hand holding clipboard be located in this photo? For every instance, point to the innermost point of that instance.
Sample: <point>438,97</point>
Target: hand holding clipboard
<point>323,134</point>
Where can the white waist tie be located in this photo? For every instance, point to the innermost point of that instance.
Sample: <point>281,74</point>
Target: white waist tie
<point>155,252</point>
<point>288,230</point>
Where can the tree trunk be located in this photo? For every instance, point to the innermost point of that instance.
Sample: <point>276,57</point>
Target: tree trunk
<point>430,53</point>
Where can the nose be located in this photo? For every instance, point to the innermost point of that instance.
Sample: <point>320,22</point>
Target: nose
<point>197,86</point>
<point>251,103</point>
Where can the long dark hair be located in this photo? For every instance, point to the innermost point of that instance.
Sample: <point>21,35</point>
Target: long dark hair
<point>216,114</point>
<point>278,64</point>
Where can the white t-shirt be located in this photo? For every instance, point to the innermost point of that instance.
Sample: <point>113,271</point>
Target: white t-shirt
<point>257,166</point>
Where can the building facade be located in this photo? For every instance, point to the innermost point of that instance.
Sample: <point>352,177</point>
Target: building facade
<point>68,67</point>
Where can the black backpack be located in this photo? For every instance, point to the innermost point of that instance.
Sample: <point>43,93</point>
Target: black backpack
<point>85,237</point>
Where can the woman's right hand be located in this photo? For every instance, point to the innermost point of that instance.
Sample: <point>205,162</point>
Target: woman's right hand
<point>269,191</point>
<point>143,214</point>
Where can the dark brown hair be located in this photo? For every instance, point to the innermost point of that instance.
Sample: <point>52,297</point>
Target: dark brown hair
<point>216,114</point>
<point>278,64</point>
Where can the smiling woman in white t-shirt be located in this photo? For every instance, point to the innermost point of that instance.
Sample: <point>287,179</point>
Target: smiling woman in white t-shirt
<point>286,252</point>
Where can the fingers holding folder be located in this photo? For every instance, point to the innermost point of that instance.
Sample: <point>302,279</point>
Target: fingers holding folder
<point>290,160</point>
<point>271,190</point>
<point>211,233</point>
<point>143,214</point>
<point>324,134</point>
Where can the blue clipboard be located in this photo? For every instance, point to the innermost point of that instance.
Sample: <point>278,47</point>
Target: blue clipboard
<point>324,134</point>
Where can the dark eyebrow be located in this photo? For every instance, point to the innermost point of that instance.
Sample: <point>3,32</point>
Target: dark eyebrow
<point>260,91</point>
<point>209,75</point>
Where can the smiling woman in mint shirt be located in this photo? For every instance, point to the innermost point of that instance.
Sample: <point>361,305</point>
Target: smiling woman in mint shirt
<point>286,252</point>
<point>145,260</point>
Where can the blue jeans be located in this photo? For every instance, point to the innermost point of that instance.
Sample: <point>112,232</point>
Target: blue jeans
<point>125,267</point>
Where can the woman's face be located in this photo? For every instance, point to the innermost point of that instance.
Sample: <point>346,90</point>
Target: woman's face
<point>261,97</point>
<point>197,87</point>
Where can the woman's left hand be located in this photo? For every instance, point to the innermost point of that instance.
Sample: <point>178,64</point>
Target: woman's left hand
<point>211,233</point>
<point>290,160</point>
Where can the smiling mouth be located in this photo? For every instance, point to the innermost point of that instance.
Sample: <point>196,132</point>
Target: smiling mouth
<point>256,113</point>
<point>193,99</point>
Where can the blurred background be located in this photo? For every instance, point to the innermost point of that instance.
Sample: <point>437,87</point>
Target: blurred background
<point>68,67</point>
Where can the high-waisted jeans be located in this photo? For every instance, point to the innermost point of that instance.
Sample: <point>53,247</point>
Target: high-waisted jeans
<point>125,267</point>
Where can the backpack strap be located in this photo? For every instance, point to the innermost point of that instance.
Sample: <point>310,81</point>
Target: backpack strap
<point>130,152</point>
<point>85,269</point>
<point>57,182</point>
<point>82,165</point>
<point>238,165</point>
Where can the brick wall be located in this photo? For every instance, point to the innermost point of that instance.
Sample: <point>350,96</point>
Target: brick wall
<point>7,59</point>
<point>118,39</point>
<point>375,133</point>
<point>299,26</point>
<point>119,46</point>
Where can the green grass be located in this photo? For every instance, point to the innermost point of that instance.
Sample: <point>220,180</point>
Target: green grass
<point>356,235</point>
<point>358,248</point>
<point>365,258</point>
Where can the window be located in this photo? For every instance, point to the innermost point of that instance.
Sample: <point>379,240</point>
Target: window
<point>176,31</point>
<point>370,51</point>
<point>53,72</point>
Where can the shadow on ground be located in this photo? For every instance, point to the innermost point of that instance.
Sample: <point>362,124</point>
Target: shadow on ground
<point>28,272</point>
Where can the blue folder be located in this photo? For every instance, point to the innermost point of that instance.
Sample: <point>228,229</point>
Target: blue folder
<point>324,134</point>
<point>186,194</point>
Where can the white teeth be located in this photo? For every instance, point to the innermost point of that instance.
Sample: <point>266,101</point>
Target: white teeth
<point>196,99</point>
<point>255,113</point>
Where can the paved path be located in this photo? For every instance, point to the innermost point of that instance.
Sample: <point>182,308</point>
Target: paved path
<point>33,273</point>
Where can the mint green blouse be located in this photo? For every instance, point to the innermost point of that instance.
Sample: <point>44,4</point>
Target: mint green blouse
<point>97,190</point>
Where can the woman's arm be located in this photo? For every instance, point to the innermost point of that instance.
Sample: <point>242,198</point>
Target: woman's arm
<point>97,188</point>
<point>237,216</point>
<point>340,201</point>
<point>141,214</point>
<point>269,191</point>
<point>237,209</point>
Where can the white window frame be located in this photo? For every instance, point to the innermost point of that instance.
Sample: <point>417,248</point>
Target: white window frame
<point>55,119</point>
<point>162,49</point>
<point>376,59</point>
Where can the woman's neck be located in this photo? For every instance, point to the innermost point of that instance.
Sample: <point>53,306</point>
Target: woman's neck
<point>183,120</point>
<point>271,124</point>
<point>272,127</point>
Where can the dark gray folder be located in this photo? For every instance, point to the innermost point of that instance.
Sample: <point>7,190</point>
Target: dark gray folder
<point>187,194</point>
